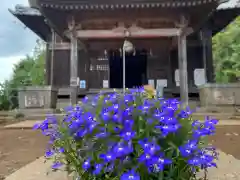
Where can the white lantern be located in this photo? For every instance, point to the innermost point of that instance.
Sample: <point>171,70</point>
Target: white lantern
<point>128,46</point>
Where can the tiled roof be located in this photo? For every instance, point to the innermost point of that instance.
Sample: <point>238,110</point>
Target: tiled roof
<point>121,4</point>
<point>23,10</point>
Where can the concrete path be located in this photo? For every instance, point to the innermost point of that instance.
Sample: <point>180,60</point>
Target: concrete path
<point>37,170</point>
<point>228,169</point>
<point>29,124</point>
<point>24,124</point>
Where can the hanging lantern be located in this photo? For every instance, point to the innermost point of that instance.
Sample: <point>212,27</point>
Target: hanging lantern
<point>128,46</point>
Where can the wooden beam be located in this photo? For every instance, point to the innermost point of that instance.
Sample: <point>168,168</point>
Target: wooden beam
<point>133,33</point>
<point>102,34</point>
<point>60,46</point>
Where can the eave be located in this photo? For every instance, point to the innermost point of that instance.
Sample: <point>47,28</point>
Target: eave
<point>32,19</point>
<point>222,18</point>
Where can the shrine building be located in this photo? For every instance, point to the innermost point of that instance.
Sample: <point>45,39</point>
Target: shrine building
<point>167,42</point>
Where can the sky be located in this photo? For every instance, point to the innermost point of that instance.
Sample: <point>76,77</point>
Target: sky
<point>15,40</point>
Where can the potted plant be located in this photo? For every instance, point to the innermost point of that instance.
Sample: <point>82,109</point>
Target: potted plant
<point>131,136</point>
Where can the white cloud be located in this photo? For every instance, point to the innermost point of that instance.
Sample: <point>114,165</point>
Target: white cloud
<point>15,40</point>
<point>6,66</point>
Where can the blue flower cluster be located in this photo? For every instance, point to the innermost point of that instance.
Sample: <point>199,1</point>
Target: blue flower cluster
<point>120,134</point>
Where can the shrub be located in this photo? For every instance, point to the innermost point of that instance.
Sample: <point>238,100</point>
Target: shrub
<point>129,137</point>
<point>19,115</point>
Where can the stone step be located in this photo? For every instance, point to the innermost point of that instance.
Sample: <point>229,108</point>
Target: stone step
<point>219,116</point>
<point>218,109</point>
<point>5,113</point>
<point>37,117</point>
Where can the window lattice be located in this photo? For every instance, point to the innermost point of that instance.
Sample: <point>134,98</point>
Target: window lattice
<point>99,67</point>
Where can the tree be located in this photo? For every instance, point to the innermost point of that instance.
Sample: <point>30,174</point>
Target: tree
<point>28,72</point>
<point>226,53</point>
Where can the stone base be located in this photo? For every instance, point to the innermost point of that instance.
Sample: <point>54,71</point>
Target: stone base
<point>37,97</point>
<point>220,95</point>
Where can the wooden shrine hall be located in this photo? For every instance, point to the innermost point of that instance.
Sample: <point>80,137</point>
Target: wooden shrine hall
<point>167,42</point>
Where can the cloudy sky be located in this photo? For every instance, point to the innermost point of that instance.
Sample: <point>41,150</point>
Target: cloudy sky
<point>15,41</point>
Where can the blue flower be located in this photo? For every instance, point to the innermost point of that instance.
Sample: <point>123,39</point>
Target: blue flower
<point>86,165</point>
<point>57,165</point>
<point>130,175</point>
<point>168,120</point>
<point>121,149</point>
<point>36,126</point>
<point>144,143</point>
<point>146,159</point>
<point>194,161</point>
<point>49,153</point>
<point>151,148</point>
<point>202,159</point>
<point>159,163</point>
<point>118,131</point>
<point>116,118</point>
<point>127,135</point>
<point>81,133</point>
<point>128,123</point>
<point>61,150</point>
<point>189,148</point>
<point>97,169</point>
<point>166,129</point>
<point>108,157</point>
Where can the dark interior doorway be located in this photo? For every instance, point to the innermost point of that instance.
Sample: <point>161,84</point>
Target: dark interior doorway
<point>136,69</point>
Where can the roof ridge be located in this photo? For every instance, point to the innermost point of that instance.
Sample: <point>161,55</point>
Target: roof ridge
<point>25,10</point>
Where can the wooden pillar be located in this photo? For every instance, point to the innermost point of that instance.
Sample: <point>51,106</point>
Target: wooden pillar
<point>206,35</point>
<point>182,63</point>
<point>73,64</point>
<point>88,64</point>
<point>47,65</point>
<point>53,40</point>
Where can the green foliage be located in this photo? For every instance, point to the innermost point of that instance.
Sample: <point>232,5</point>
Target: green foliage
<point>4,100</point>
<point>27,72</point>
<point>226,53</point>
<point>19,115</point>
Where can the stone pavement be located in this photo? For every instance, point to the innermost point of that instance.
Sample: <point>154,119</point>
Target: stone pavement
<point>228,168</point>
<point>37,170</point>
<point>23,124</point>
